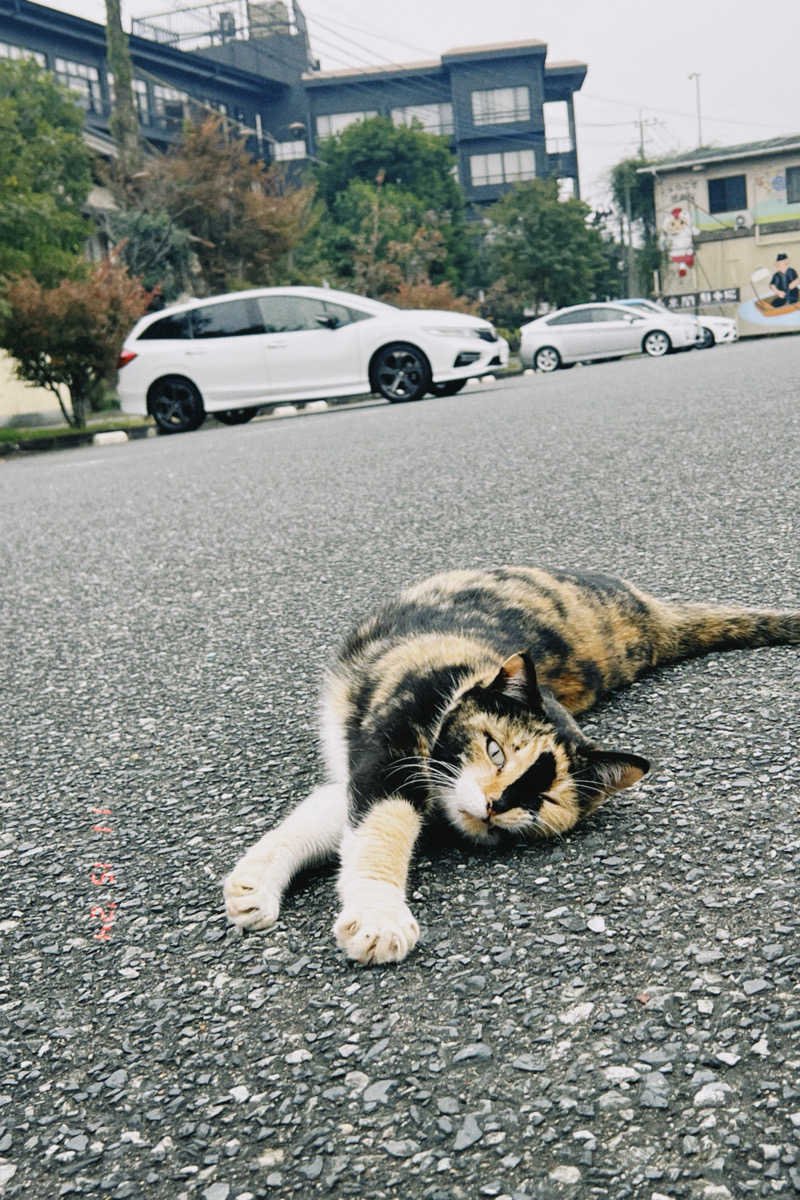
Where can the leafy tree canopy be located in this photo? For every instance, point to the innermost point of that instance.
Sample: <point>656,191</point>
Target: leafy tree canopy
<point>243,219</point>
<point>626,182</point>
<point>406,158</point>
<point>413,174</point>
<point>45,175</point>
<point>362,236</point>
<point>627,185</point>
<point>154,248</point>
<point>542,249</point>
<point>69,336</point>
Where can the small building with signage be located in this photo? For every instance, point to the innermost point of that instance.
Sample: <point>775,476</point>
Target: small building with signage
<point>724,214</point>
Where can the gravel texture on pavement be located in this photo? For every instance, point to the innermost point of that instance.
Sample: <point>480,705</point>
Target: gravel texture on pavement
<point>613,1014</point>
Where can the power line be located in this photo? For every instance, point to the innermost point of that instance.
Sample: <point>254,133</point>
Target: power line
<point>671,112</point>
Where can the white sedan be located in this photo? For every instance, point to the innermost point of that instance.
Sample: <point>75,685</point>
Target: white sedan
<point>713,330</point>
<point>586,332</point>
<point>230,354</point>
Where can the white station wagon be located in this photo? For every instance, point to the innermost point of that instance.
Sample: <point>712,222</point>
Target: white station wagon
<point>230,354</point>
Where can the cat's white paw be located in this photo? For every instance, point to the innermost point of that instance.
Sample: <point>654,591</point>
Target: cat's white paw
<point>376,926</point>
<point>252,895</point>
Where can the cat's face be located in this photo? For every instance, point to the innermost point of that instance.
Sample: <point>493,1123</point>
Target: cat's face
<point>508,761</point>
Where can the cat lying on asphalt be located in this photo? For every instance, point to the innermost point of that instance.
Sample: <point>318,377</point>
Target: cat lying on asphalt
<point>455,701</point>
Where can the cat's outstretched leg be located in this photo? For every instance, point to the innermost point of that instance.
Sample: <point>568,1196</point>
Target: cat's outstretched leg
<point>375,924</point>
<point>311,833</point>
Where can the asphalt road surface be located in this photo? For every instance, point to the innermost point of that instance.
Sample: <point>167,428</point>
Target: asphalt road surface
<point>613,1014</point>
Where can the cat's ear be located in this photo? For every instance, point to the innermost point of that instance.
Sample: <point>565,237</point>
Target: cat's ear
<point>517,678</point>
<point>614,771</point>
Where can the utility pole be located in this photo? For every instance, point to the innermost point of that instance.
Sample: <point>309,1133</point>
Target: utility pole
<point>629,259</point>
<point>696,77</point>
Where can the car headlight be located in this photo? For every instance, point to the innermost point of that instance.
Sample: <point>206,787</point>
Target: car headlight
<point>455,331</point>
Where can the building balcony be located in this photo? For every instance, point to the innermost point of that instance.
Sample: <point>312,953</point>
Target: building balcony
<point>562,162</point>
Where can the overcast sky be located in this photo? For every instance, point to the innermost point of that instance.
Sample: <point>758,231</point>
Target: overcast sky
<point>639,53</point>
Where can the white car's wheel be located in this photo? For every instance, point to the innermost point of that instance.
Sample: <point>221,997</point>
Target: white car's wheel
<point>547,359</point>
<point>656,343</point>
<point>707,340</point>
<point>175,404</point>
<point>400,372</point>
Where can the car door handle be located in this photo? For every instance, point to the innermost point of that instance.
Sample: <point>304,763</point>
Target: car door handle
<point>277,345</point>
<point>197,352</point>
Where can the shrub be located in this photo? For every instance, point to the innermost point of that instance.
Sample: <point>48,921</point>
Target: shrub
<point>70,336</point>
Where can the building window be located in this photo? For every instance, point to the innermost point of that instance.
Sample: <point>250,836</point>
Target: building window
<point>793,185</point>
<point>9,51</point>
<point>500,105</point>
<point>83,80</point>
<point>333,123</point>
<point>141,101</point>
<point>286,151</point>
<point>434,118</point>
<point>566,187</point>
<point>512,166</point>
<point>139,98</point>
<point>727,194</point>
<point>556,127</point>
<point>168,106</point>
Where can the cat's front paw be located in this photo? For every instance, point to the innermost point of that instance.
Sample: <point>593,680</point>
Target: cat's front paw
<point>376,926</point>
<point>252,895</point>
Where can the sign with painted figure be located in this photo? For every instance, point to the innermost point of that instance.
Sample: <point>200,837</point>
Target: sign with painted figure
<point>775,303</point>
<point>676,230</point>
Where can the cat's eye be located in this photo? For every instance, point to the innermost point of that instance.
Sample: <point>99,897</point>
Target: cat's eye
<point>495,753</point>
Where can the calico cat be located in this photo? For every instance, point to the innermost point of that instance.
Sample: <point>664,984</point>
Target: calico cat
<point>455,700</point>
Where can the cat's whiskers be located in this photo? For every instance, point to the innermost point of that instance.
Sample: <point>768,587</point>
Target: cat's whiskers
<point>588,791</point>
<point>547,828</point>
<point>423,761</point>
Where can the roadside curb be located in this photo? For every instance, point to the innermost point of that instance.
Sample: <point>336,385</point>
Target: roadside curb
<point>114,437</point>
<point>67,441</point>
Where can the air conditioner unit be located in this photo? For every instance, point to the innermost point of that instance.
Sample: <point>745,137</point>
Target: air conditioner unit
<point>743,219</point>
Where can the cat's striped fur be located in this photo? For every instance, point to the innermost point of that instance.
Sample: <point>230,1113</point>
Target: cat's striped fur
<point>456,700</point>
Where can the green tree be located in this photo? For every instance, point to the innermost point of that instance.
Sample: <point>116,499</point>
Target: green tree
<point>542,249</point>
<point>244,219</point>
<point>70,336</point>
<point>411,162</point>
<point>377,236</point>
<point>45,175</point>
<point>154,248</point>
<point>633,194</point>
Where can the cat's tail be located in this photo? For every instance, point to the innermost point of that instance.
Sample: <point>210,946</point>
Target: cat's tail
<point>688,630</point>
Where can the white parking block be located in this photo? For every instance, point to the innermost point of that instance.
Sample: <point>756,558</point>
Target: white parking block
<point>110,437</point>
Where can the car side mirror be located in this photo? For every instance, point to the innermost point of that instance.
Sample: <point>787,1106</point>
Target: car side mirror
<point>328,320</point>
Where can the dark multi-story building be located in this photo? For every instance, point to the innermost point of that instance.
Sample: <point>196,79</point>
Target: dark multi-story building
<point>508,112</point>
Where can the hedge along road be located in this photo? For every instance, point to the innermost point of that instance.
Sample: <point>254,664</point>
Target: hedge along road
<point>615,1013</point>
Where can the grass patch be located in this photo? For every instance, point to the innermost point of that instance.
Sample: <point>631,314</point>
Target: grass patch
<point>97,424</point>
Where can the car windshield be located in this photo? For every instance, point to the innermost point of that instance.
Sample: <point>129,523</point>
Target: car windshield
<point>376,308</point>
<point>646,306</point>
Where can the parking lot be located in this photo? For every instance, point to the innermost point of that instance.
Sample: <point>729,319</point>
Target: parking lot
<point>612,1014</point>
